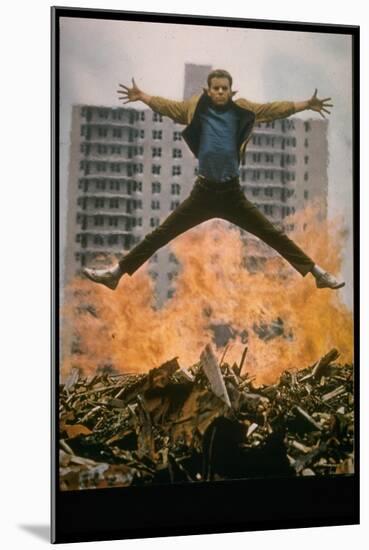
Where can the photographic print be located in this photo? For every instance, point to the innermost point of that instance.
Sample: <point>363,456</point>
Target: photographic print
<point>205,204</point>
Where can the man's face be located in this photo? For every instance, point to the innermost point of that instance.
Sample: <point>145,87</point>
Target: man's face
<point>220,91</point>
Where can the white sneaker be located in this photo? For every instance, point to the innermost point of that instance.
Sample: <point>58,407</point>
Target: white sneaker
<point>326,280</point>
<point>108,277</point>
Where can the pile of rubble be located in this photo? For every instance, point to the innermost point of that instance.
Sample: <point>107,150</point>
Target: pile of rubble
<point>210,422</point>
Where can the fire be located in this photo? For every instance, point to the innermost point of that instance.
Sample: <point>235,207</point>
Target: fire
<point>125,330</point>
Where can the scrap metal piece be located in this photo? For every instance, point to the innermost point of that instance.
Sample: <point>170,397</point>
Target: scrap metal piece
<point>211,369</point>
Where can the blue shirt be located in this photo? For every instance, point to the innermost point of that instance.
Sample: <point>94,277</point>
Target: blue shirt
<point>218,154</point>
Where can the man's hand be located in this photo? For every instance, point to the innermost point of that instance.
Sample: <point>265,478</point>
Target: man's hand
<point>132,94</point>
<point>319,105</point>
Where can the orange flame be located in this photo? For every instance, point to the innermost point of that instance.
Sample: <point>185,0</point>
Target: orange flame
<point>123,328</point>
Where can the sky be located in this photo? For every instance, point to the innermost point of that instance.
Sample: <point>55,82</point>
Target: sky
<point>96,55</point>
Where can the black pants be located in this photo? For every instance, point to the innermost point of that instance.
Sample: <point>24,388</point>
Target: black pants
<point>213,200</point>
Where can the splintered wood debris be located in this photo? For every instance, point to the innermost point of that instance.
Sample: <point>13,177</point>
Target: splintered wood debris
<point>173,425</point>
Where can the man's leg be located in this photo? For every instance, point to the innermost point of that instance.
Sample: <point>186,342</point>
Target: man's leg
<point>191,212</point>
<point>246,215</point>
<point>188,214</point>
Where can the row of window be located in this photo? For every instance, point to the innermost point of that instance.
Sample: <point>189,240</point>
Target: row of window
<point>100,202</point>
<point>118,167</point>
<point>157,152</point>
<point>170,276</point>
<point>172,258</point>
<point>155,205</point>
<point>103,184</point>
<point>271,192</point>
<point>156,169</point>
<point>129,134</point>
<point>271,141</point>
<point>98,238</point>
<point>257,175</point>
<point>118,114</point>
<point>156,188</point>
<point>111,221</point>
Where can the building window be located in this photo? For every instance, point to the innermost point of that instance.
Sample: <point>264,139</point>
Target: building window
<point>173,258</point>
<point>177,136</point>
<point>142,134</point>
<point>114,203</point>
<point>268,191</point>
<point>156,151</point>
<point>307,126</point>
<point>306,159</point>
<point>154,222</point>
<point>155,205</point>
<point>102,132</point>
<point>306,142</point>
<point>174,204</point>
<point>155,187</point>
<point>103,113</point>
<point>175,189</point>
<point>113,221</point>
<point>177,153</point>
<point>157,134</point>
<point>306,176</point>
<point>98,220</point>
<point>306,194</point>
<point>113,239</point>
<point>142,115</point>
<point>137,186</point>
<point>268,209</point>
<point>138,168</point>
<point>255,191</point>
<point>155,169</point>
<point>176,170</point>
<point>171,275</point>
<point>98,239</point>
<point>117,132</point>
<point>157,117</point>
<point>99,203</point>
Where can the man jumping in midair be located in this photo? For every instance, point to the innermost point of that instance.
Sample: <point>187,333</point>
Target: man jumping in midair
<point>217,132</point>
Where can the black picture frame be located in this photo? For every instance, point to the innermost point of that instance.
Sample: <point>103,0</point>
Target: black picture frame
<point>212,507</point>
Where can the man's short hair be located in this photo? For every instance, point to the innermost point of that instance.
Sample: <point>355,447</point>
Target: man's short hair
<point>219,73</point>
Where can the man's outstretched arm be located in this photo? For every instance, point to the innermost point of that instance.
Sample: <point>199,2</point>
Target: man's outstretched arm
<point>267,112</point>
<point>176,110</point>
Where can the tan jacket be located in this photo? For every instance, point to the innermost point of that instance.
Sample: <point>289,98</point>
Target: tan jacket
<point>187,111</point>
